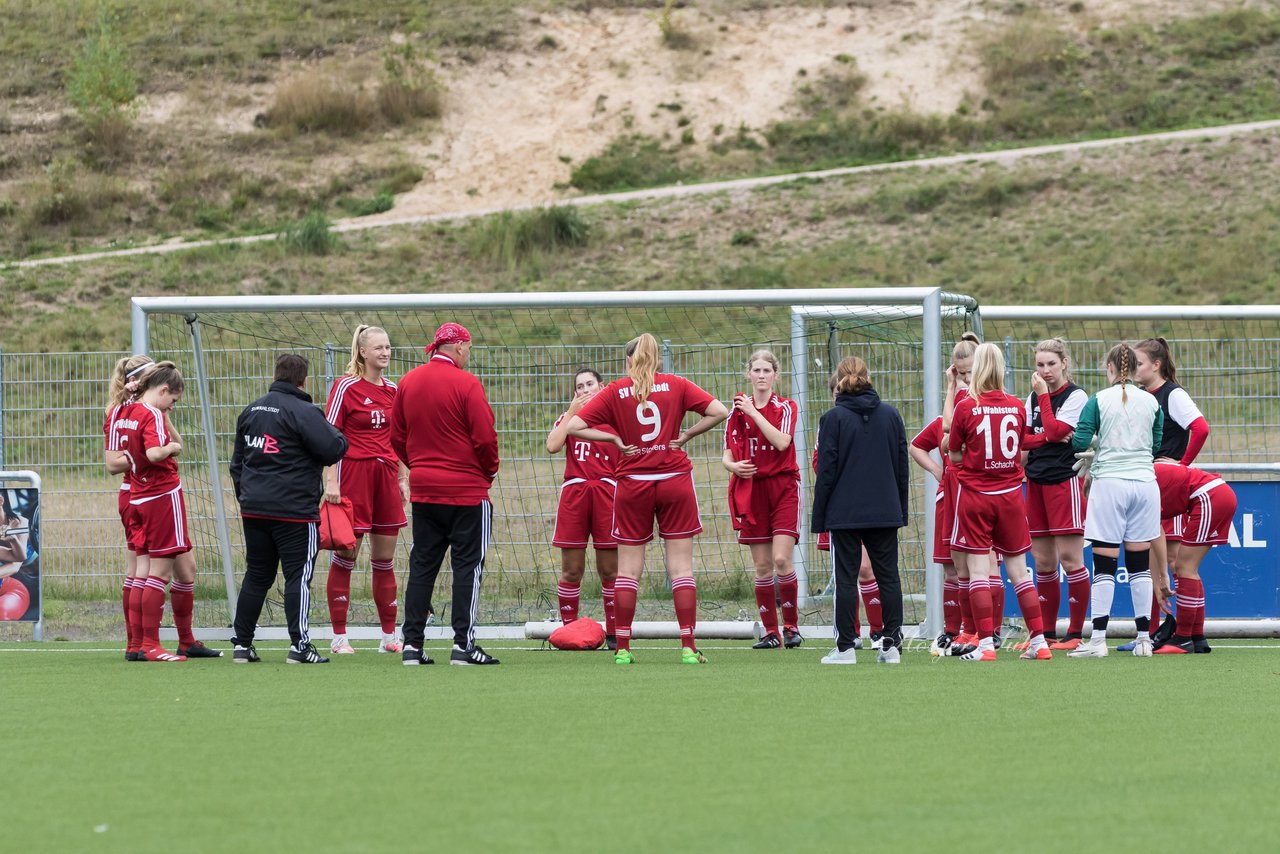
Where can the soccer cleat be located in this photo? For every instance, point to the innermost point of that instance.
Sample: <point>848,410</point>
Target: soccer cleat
<point>996,639</point>
<point>199,650</point>
<point>132,656</point>
<point>875,638</point>
<point>1040,654</point>
<point>244,655</point>
<point>159,653</point>
<point>1093,649</point>
<point>769,641</point>
<point>390,643</point>
<point>967,639</point>
<point>960,650</point>
<point>890,654</point>
<point>411,656</point>
<point>941,645</point>
<point>1176,646</point>
<point>1201,646</point>
<point>1126,647</point>
<point>1022,646</point>
<point>791,637</point>
<point>979,654</point>
<point>611,642</point>
<point>1162,635</point>
<point>1068,644</point>
<point>341,646</point>
<point>1142,647</point>
<point>469,657</point>
<point>624,656</point>
<point>836,656</point>
<point>305,655</point>
<point>689,655</point>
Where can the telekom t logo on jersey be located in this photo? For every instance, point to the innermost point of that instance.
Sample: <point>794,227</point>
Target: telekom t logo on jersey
<point>378,418</point>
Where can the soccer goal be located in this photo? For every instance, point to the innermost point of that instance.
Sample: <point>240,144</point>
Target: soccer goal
<point>527,349</point>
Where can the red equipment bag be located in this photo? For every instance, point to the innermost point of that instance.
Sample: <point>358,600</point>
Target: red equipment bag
<point>583,633</point>
<point>337,532</point>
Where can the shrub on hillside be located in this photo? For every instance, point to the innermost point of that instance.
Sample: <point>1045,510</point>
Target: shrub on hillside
<point>310,235</point>
<point>102,87</point>
<point>318,102</point>
<point>628,162</point>
<point>509,239</point>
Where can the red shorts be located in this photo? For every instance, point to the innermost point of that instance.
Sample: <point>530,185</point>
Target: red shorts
<point>1173,528</point>
<point>586,510</point>
<point>775,507</point>
<point>943,520</point>
<point>163,523</point>
<point>984,522</point>
<point>671,500</point>
<point>824,541</point>
<point>377,507</point>
<point>1056,509</point>
<point>132,524</point>
<point>1208,522</point>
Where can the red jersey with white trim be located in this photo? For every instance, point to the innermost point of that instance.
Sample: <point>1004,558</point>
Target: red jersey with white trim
<point>585,460</point>
<point>742,436</point>
<point>145,428</point>
<point>990,428</point>
<point>650,426</point>
<point>362,412</point>
<point>116,421</point>
<point>1177,482</point>
<point>930,438</point>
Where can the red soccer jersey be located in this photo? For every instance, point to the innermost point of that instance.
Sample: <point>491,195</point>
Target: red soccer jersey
<point>144,428</point>
<point>743,437</point>
<point>362,411</point>
<point>990,428</point>
<point>585,460</point>
<point>651,425</point>
<point>1177,482</point>
<point>112,428</point>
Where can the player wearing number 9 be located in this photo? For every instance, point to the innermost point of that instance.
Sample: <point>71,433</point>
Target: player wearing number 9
<point>986,443</point>
<point>644,410</point>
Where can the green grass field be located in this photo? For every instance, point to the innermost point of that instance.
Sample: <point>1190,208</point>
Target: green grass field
<point>566,752</point>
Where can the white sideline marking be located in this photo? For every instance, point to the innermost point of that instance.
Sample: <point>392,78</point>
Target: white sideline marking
<point>1007,155</point>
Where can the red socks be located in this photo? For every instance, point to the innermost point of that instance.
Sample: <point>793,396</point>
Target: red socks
<point>789,593</point>
<point>996,584</point>
<point>1029,604</point>
<point>765,605</point>
<point>625,591</point>
<point>871,601</point>
<point>182,598</point>
<point>384,594</point>
<point>126,593</point>
<point>951,607</point>
<point>135,611</point>
<point>1077,600</point>
<point>967,623</point>
<point>980,603</point>
<point>684,595</point>
<point>1049,590</point>
<point>338,591</point>
<point>1190,610</point>
<point>152,609</point>
<point>610,621</point>
<point>569,596</point>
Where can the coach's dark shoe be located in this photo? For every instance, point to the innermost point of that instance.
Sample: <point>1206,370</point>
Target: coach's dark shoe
<point>769,641</point>
<point>132,656</point>
<point>611,642</point>
<point>305,655</point>
<point>411,656</point>
<point>1165,632</point>
<point>199,650</point>
<point>467,657</point>
<point>1201,645</point>
<point>791,637</point>
<point>244,655</point>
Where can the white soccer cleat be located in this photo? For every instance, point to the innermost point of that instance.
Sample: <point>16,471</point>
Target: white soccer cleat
<point>889,655</point>
<point>391,643</point>
<point>849,656</point>
<point>1094,648</point>
<point>341,646</point>
<point>1142,648</point>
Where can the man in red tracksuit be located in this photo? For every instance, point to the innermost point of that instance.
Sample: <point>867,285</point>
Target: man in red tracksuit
<point>442,428</point>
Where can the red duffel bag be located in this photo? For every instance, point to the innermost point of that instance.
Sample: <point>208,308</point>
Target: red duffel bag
<point>583,633</point>
<point>337,532</point>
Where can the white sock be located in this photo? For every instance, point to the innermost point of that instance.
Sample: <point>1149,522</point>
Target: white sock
<point>388,638</point>
<point>1037,641</point>
<point>1144,636</point>
<point>1101,596</point>
<point>1141,591</point>
<point>987,643</point>
<point>339,639</point>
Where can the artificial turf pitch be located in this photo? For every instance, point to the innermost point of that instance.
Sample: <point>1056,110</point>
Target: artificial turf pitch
<point>557,751</point>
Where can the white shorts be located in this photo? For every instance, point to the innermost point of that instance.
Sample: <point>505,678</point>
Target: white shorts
<point>1123,511</point>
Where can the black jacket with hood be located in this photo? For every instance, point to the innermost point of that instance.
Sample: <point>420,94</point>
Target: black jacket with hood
<point>862,479</point>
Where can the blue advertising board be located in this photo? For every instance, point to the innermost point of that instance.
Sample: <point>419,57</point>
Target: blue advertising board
<point>1241,579</point>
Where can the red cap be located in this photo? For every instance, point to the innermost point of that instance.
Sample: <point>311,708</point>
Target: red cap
<point>450,333</point>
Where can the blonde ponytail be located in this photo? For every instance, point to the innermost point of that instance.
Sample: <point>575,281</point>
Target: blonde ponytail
<point>643,353</point>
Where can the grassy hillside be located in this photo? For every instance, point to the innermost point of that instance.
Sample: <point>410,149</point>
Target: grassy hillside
<point>1193,223</point>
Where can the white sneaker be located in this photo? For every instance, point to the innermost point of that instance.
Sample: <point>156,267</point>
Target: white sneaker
<point>849,656</point>
<point>1093,648</point>
<point>341,646</point>
<point>1142,648</point>
<point>391,643</point>
<point>889,655</point>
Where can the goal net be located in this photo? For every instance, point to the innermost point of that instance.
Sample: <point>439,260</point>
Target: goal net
<point>527,348</point>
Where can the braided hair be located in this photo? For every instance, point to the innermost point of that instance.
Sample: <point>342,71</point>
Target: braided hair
<point>1122,359</point>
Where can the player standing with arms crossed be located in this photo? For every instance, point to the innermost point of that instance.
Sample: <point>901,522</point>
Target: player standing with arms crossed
<point>764,495</point>
<point>645,410</point>
<point>360,407</point>
<point>585,509</point>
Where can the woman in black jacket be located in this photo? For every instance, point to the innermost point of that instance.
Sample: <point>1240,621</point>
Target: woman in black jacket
<point>860,496</point>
